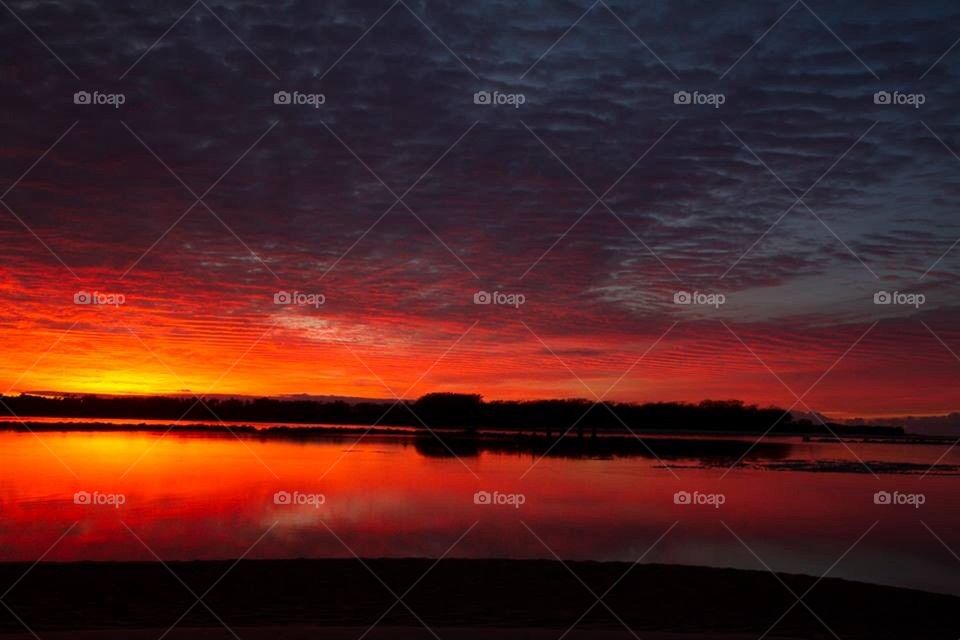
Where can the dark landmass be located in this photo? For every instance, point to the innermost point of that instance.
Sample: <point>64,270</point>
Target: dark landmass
<point>909,438</point>
<point>761,463</point>
<point>938,425</point>
<point>448,410</point>
<point>475,594</point>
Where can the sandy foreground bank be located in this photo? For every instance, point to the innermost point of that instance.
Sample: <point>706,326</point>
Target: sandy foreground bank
<point>465,599</point>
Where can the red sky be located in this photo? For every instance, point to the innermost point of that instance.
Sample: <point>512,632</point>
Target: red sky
<point>172,335</point>
<point>400,197</point>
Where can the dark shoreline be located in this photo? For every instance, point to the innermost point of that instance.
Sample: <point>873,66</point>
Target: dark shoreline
<point>536,594</point>
<point>298,430</point>
<point>458,411</point>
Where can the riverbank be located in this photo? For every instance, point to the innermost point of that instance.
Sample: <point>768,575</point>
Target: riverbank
<point>292,598</point>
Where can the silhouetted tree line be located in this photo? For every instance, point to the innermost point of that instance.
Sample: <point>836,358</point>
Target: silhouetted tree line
<point>450,410</point>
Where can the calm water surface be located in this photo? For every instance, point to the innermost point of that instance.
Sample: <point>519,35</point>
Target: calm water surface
<point>214,497</point>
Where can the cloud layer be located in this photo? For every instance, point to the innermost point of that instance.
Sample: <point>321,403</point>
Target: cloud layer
<point>398,198</point>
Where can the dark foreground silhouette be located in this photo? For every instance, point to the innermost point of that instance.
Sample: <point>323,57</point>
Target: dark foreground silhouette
<point>287,595</point>
<point>450,410</point>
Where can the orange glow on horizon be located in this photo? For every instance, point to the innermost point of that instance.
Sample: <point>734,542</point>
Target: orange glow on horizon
<point>177,338</point>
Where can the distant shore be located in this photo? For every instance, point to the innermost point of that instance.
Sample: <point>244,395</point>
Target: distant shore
<point>297,595</point>
<point>302,430</point>
<point>458,411</point>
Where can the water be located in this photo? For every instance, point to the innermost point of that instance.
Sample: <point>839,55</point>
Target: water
<point>210,497</point>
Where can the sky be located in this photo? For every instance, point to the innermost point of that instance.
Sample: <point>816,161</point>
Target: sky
<point>629,154</point>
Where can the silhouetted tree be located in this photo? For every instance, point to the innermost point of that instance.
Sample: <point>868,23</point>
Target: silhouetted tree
<point>450,409</point>
<point>460,410</point>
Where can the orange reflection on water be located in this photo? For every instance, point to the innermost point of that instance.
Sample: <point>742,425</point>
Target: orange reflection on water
<point>213,497</point>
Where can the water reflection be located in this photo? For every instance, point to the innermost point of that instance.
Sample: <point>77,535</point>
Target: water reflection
<point>212,497</point>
